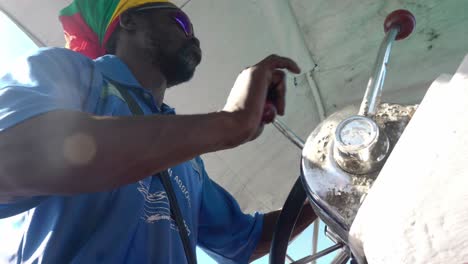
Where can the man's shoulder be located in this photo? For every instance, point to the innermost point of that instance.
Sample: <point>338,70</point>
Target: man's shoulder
<point>58,55</point>
<point>59,51</point>
<point>45,62</point>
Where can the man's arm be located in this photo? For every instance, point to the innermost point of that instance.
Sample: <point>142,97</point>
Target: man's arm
<point>69,152</point>
<point>306,218</point>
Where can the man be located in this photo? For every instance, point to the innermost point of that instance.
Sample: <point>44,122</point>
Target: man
<point>87,170</point>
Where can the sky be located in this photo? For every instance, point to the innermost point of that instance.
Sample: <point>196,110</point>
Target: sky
<point>18,44</point>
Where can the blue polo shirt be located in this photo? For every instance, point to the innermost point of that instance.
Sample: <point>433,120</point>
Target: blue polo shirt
<point>131,224</point>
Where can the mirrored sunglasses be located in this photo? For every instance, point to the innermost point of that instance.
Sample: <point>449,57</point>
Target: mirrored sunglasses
<point>179,17</point>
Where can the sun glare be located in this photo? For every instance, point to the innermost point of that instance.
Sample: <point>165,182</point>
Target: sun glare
<point>11,229</point>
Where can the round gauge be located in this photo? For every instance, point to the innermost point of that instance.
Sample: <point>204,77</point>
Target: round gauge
<point>357,132</point>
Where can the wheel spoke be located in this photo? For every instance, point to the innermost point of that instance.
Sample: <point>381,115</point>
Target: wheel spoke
<point>341,258</point>
<point>319,254</point>
<point>315,237</point>
<point>289,259</point>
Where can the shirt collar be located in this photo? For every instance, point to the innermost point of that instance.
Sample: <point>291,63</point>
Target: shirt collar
<point>115,69</point>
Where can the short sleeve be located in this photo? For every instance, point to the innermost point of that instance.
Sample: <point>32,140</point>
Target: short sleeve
<point>19,206</point>
<point>50,79</point>
<point>225,232</point>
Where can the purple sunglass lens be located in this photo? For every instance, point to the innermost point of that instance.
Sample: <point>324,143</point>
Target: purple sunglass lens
<point>185,23</point>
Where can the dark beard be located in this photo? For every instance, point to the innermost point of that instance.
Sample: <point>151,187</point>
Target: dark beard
<point>178,67</point>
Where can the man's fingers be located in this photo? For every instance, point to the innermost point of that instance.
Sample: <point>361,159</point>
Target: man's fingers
<point>279,81</point>
<point>277,62</point>
<point>278,76</point>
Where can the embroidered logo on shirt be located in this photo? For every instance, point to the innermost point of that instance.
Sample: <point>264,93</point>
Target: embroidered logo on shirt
<point>182,187</point>
<point>156,207</point>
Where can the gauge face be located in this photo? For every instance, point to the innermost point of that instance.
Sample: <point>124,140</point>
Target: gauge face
<point>357,132</point>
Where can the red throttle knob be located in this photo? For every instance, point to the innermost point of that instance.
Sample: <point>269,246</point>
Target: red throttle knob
<point>403,19</point>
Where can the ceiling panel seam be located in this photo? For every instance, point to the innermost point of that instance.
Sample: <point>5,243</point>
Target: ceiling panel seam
<point>311,80</point>
<point>26,31</point>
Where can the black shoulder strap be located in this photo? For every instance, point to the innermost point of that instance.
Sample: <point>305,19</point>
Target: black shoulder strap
<point>166,181</point>
<point>132,104</point>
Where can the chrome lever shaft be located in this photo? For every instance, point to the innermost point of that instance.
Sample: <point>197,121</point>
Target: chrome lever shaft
<point>288,133</point>
<point>374,86</point>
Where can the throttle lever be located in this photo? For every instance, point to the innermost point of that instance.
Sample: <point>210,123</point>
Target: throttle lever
<point>398,25</point>
<point>270,110</point>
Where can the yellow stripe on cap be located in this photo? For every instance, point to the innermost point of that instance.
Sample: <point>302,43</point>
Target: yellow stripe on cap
<point>127,4</point>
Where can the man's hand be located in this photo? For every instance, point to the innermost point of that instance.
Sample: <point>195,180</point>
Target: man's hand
<point>248,96</point>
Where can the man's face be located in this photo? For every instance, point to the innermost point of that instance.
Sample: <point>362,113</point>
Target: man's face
<point>173,50</point>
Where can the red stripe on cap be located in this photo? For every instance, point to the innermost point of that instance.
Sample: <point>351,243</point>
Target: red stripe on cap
<point>80,37</point>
